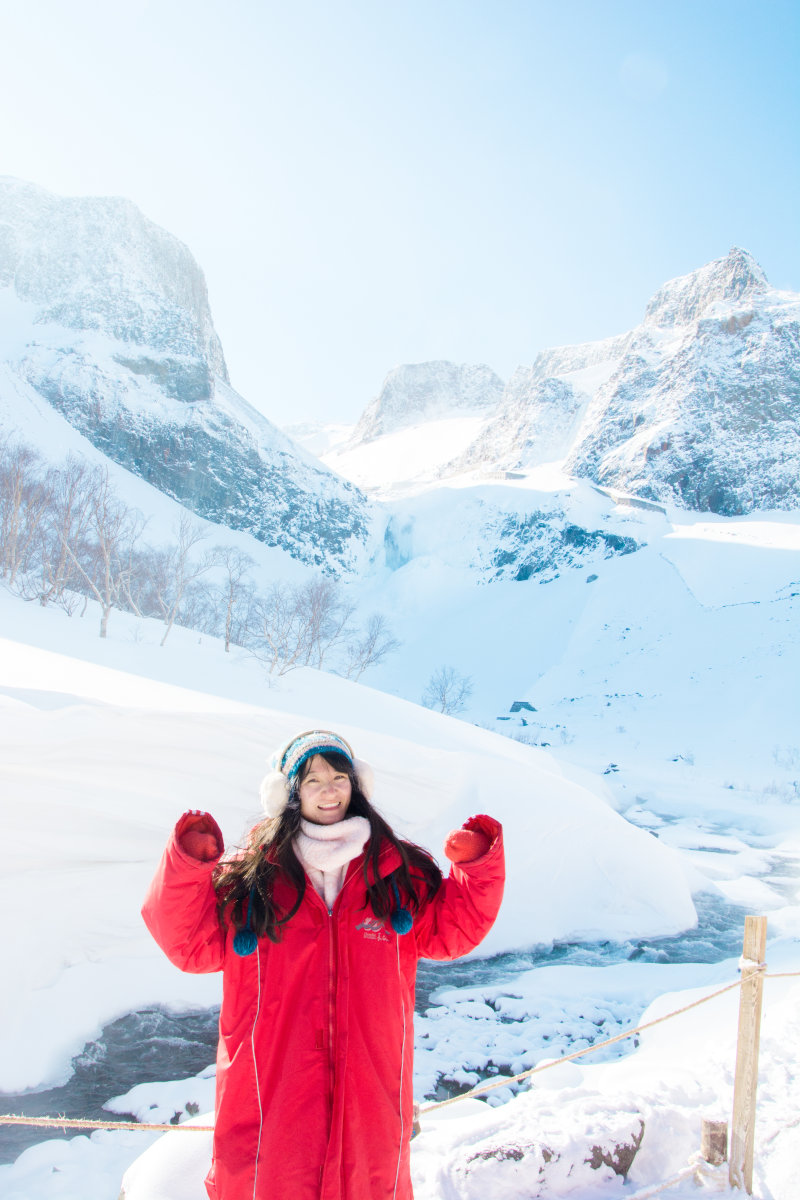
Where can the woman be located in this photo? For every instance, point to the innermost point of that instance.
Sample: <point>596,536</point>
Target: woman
<point>317,927</point>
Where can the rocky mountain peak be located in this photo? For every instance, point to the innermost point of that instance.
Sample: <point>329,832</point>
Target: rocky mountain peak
<point>97,263</point>
<point>680,301</point>
<point>429,391</point>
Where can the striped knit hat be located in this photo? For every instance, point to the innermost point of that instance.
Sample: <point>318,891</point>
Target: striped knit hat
<point>286,763</point>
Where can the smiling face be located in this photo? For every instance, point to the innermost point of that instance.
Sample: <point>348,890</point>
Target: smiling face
<point>324,792</point>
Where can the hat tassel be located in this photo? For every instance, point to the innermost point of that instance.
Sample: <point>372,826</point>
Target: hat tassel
<point>401,919</point>
<point>245,940</point>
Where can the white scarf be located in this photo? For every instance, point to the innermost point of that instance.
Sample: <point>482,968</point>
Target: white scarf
<point>325,852</point>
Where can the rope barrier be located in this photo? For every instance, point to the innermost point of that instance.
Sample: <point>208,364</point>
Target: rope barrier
<point>678,1177</point>
<point>79,1123</point>
<point>488,1085</point>
<point>698,1169</point>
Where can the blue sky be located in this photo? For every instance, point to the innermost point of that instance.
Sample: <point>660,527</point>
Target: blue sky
<point>369,183</point>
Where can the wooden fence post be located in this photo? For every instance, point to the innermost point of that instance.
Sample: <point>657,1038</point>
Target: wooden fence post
<point>714,1141</point>
<point>740,1158</point>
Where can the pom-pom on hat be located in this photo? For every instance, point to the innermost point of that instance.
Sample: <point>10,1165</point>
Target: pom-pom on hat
<point>287,762</point>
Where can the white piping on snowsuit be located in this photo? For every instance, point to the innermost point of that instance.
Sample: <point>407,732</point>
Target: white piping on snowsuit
<point>402,1066</point>
<point>255,1073</point>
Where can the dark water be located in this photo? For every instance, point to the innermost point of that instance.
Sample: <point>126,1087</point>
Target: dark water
<point>718,935</point>
<point>156,1044</point>
<point>138,1048</point>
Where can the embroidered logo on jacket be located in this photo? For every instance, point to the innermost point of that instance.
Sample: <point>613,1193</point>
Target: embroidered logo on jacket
<point>373,929</point>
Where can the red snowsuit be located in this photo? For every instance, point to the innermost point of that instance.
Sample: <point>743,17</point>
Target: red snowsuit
<point>314,1067</point>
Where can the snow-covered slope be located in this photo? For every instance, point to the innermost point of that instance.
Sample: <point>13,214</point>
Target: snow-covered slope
<point>635,636</point>
<point>424,415</point>
<point>105,316</point>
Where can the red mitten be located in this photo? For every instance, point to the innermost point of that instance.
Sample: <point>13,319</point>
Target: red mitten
<point>197,836</point>
<point>464,845</point>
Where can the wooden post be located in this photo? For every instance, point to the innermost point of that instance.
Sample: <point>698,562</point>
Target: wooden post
<point>740,1167</point>
<point>714,1142</point>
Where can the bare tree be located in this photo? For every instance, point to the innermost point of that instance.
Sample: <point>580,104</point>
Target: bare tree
<point>369,647</point>
<point>299,625</point>
<point>447,691</point>
<point>67,524</point>
<point>276,635</point>
<point>199,611</point>
<point>174,570</point>
<point>136,593</point>
<point>235,592</point>
<point>324,617</point>
<point>114,530</point>
<point>24,499</point>
<point>82,539</point>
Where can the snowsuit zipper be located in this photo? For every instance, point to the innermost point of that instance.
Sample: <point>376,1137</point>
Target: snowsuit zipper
<point>331,1004</point>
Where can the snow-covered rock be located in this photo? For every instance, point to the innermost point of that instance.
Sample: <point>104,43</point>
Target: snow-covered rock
<point>737,278</point>
<point>703,408</point>
<point>534,424</point>
<point>106,317</point>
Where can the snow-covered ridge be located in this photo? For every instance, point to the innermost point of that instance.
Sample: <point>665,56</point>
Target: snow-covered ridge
<point>698,406</point>
<point>704,412</point>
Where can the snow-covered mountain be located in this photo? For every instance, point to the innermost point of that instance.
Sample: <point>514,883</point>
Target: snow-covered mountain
<point>704,406</point>
<point>106,317</point>
<point>699,405</point>
<point>428,391</point>
<point>539,413</point>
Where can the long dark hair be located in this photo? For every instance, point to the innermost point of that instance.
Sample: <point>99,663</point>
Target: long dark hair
<point>247,879</point>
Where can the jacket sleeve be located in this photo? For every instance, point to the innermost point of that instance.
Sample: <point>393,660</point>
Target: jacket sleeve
<point>180,909</point>
<point>464,909</point>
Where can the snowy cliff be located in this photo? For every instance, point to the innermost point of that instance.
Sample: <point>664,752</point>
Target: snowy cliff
<point>704,407</point>
<point>98,263</point>
<point>106,316</point>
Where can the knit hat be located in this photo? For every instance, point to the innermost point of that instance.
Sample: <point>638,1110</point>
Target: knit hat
<point>286,763</point>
